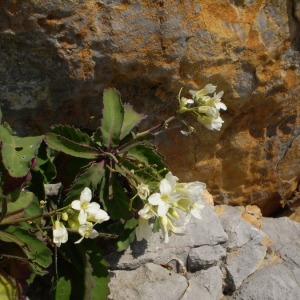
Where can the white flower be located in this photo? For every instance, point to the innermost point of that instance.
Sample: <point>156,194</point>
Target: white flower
<point>143,230</point>
<point>97,216</point>
<point>166,196</point>
<point>147,212</point>
<point>143,191</point>
<point>87,209</point>
<point>209,111</point>
<point>60,233</point>
<point>196,209</point>
<point>192,203</point>
<point>168,227</point>
<point>210,122</point>
<point>208,89</point>
<point>87,231</point>
<point>183,102</point>
<point>195,190</point>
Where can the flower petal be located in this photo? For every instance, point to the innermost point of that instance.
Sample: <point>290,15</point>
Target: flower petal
<point>165,186</point>
<point>76,204</point>
<point>82,216</point>
<point>155,199</point>
<point>86,195</point>
<point>163,209</point>
<point>143,230</point>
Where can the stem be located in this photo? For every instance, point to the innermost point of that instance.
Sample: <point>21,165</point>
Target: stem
<point>162,124</point>
<point>43,215</point>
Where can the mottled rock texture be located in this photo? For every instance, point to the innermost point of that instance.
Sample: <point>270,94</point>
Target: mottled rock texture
<point>57,57</point>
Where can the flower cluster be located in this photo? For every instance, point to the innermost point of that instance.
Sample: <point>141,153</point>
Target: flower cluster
<point>81,217</point>
<point>206,109</point>
<point>173,203</point>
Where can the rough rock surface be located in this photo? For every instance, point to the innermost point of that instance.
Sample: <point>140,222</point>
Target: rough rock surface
<point>57,57</point>
<point>239,262</point>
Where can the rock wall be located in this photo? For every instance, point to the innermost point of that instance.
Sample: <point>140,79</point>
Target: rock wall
<point>57,57</point>
<point>234,254</point>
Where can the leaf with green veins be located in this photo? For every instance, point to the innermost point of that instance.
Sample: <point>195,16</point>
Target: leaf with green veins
<point>71,133</point>
<point>24,200</point>
<point>90,178</point>
<point>44,164</point>
<point>114,198</point>
<point>18,152</point>
<point>96,275</point>
<point>146,155</point>
<point>131,120</point>
<point>70,147</point>
<point>112,120</point>
<point>35,250</point>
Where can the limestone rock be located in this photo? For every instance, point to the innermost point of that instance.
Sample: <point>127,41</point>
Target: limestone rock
<point>246,247</point>
<point>205,257</point>
<point>145,282</point>
<point>285,233</point>
<point>206,285</point>
<point>276,282</point>
<point>57,57</point>
<point>207,231</point>
<point>251,263</point>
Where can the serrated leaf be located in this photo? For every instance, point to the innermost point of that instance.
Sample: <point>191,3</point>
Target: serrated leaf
<point>62,289</point>
<point>35,250</point>
<point>114,198</point>
<point>44,164</point>
<point>60,143</point>
<point>146,155</point>
<point>131,120</point>
<point>125,236</point>
<point>112,120</point>
<point>21,203</point>
<point>91,177</point>
<point>18,152</point>
<point>72,133</point>
<point>96,274</point>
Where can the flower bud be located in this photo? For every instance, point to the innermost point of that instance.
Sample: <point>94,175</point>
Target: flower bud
<point>174,213</point>
<point>65,216</point>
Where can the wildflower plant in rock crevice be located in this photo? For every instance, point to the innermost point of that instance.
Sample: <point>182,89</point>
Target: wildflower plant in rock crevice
<point>114,185</point>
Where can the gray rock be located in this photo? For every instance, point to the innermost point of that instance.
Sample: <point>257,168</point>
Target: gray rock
<point>277,282</point>
<point>246,249</point>
<point>205,257</point>
<point>206,285</point>
<point>207,231</point>
<point>251,268</point>
<point>242,262</point>
<point>148,282</point>
<point>285,234</point>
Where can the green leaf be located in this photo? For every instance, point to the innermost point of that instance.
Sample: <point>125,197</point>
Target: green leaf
<point>146,155</point>
<point>72,133</point>
<point>125,236</point>
<point>61,143</point>
<point>114,199</point>
<point>21,203</point>
<point>3,207</point>
<point>17,152</point>
<point>91,177</point>
<point>62,289</point>
<point>131,120</point>
<point>96,274</point>
<point>86,277</point>
<point>45,165</point>
<point>35,250</point>
<point>113,116</point>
